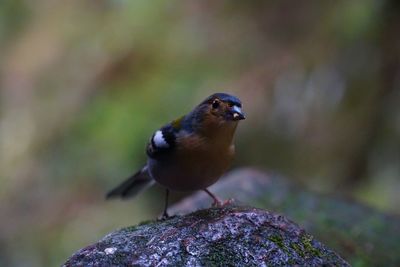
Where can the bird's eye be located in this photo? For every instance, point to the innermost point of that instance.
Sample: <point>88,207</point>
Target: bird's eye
<point>215,104</point>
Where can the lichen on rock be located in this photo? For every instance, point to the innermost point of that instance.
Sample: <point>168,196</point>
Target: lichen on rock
<point>229,236</point>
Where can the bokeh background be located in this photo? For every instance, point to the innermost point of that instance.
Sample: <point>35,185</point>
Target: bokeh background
<point>85,83</point>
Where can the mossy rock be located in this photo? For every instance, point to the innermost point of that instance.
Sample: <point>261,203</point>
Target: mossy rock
<point>229,236</point>
<point>360,234</point>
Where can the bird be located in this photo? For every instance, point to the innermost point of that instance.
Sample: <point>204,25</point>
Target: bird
<point>190,153</point>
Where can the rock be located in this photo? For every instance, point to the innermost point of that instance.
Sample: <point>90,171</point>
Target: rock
<point>228,236</point>
<point>361,235</point>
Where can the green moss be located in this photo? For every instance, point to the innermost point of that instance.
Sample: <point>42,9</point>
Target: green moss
<point>220,254</point>
<point>135,227</point>
<point>291,262</point>
<point>299,250</point>
<point>148,222</point>
<point>308,247</point>
<point>207,213</point>
<point>130,228</point>
<point>278,240</point>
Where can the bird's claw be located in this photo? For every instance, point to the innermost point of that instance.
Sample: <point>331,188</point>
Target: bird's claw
<point>219,204</point>
<point>164,217</point>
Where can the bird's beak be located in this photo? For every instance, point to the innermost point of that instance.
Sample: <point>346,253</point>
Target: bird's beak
<point>237,113</point>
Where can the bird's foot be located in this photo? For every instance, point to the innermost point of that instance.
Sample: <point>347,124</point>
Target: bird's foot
<point>164,217</point>
<point>219,203</point>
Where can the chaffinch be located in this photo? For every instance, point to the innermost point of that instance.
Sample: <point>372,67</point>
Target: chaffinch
<point>190,153</point>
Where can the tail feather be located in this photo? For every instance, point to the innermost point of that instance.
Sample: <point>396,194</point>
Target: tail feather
<point>132,186</point>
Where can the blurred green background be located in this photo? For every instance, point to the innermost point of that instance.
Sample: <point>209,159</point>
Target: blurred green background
<point>85,83</point>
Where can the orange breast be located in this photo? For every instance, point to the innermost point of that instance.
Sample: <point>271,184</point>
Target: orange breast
<point>198,160</point>
<point>195,165</point>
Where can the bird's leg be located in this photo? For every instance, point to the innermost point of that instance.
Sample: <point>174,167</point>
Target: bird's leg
<point>165,213</point>
<point>216,201</point>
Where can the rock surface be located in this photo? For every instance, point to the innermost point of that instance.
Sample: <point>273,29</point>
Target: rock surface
<point>361,235</point>
<point>229,236</point>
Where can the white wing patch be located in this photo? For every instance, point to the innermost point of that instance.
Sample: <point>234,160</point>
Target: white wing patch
<point>159,140</point>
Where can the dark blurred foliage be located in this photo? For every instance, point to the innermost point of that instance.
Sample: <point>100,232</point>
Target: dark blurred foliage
<point>85,83</point>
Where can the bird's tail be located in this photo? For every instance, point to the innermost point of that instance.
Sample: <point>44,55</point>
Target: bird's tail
<point>133,185</point>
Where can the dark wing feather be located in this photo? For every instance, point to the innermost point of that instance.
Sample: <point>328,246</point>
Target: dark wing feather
<point>132,186</point>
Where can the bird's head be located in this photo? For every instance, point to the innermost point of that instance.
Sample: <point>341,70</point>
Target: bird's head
<point>218,113</point>
<point>222,108</point>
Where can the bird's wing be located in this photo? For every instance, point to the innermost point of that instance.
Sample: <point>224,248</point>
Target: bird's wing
<point>133,185</point>
<point>163,141</point>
